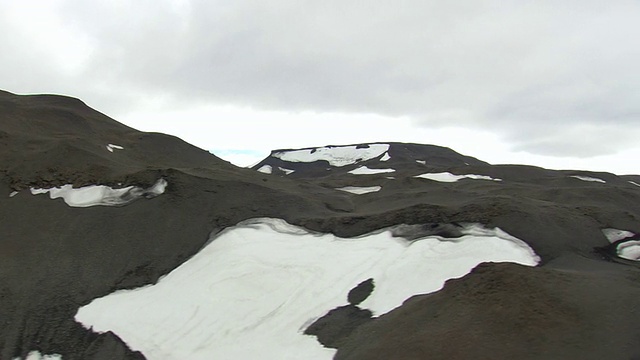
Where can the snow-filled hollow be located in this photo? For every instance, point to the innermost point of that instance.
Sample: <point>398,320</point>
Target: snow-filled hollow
<point>101,195</point>
<point>337,156</point>
<point>449,177</point>
<point>251,292</point>
<point>359,190</point>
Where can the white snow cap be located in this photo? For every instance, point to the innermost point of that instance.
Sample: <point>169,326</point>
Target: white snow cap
<point>449,177</point>
<point>253,290</point>
<point>95,195</point>
<point>336,155</point>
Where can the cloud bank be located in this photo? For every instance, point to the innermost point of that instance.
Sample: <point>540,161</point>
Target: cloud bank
<point>548,78</point>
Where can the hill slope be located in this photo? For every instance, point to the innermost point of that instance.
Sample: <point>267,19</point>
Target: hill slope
<point>58,258</point>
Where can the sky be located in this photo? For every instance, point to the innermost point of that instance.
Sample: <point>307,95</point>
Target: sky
<point>547,83</point>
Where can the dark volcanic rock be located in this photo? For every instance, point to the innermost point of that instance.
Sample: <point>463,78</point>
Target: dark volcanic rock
<point>507,311</point>
<point>55,258</point>
<point>334,328</point>
<point>361,292</point>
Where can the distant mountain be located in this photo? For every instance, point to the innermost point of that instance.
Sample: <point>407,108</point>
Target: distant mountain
<point>334,160</point>
<point>121,244</point>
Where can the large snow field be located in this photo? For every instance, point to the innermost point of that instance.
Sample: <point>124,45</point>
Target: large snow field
<point>251,292</point>
<point>95,195</point>
<point>335,155</point>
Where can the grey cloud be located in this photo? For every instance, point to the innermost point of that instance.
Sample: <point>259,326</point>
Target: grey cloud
<point>510,67</point>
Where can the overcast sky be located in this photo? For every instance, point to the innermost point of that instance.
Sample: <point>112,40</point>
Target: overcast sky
<point>549,83</point>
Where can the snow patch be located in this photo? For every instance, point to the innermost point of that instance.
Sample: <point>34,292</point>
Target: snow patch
<point>614,235</point>
<point>36,355</point>
<point>13,193</point>
<point>386,157</point>
<point>111,147</point>
<point>286,171</point>
<point>360,189</point>
<point>363,170</point>
<point>336,155</point>
<point>629,250</point>
<point>634,183</point>
<point>588,178</point>
<point>421,162</point>
<point>250,293</point>
<point>449,177</point>
<point>266,169</point>
<point>101,195</point>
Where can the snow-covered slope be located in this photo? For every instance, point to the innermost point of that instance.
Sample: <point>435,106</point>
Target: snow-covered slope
<point>338,159</point>
<point>255,288</point>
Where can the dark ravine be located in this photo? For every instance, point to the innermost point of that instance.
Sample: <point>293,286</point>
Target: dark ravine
<point>580,303</point>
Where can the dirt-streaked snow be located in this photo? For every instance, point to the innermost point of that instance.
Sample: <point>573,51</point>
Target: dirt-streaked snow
<point>336,155</point>
<point>95,195</point>
<point>386,157</point>
<point>449,177</point>
<point>629,250</point>
<point>36,355</point>
<point>614,235</point>
<point>360,189</point>
<point>588,178</point>
<point>252,291</point>
<point>363,170</point>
